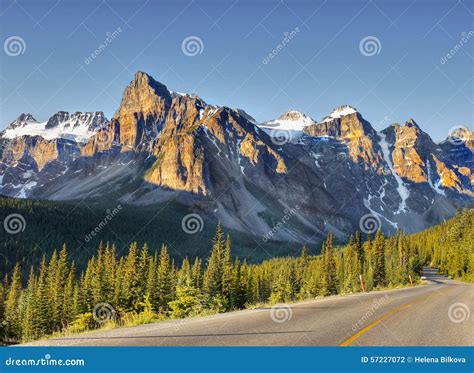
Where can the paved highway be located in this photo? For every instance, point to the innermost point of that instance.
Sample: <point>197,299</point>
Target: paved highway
<point>434,314</point>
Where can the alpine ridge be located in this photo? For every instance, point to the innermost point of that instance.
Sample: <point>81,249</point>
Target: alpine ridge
<point>161,146</point>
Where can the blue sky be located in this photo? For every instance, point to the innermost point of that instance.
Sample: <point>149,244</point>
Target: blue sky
<point>320,68</point>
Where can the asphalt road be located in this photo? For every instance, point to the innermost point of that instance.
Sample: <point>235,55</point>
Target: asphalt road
<point>435,314</point>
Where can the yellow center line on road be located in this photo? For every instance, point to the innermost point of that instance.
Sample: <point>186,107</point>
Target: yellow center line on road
<point>361,332</point>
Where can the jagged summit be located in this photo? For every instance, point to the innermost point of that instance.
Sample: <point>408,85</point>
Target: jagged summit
<point>142,87</point>
<point>462,134</point>
<point>340,112</point>
<point>292,114</point>
<point>77,126</point>
<point>343,122</point>
<point>291,120</point>
<point>161,144</point>
<point>23,119</point>
<point>411,123</point>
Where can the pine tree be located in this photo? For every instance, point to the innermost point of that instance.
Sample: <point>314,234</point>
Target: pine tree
<point>43,306</point>
<point>379,259</point>
<point>30,318</point>
<point>196,273</point>
<point>2,313</point>
<point>69,311</point>
<point>151,282</point>
<point>329,273</point>
<point>227,274</point>
<point>130,284</point>
<point>143,264</point>
<point>213,274</point>
<point>164,281</point>
<point>12,316</point>
<point>359,249</point>
<point>238,295</point>
<point>188,300</point>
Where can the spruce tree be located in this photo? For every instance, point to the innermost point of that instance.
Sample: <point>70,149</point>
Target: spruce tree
<point>329,272</point>
<point>12,316</point>
<point>213,275</point>
<point>164,281</point>
<point>227,274</point>
<point>379,259</point>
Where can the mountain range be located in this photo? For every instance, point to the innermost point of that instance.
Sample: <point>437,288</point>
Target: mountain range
<point>303,176</point>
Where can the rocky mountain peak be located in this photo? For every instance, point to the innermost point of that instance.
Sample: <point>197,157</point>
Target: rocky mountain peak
<point>462,135</point>
<point>291,120</point>
<point>343,122</point>
<point>143,81</point>
<point>340,112</point>
<point>89,121</point>
<point>143,94</point>
<point>347,125</point>
<point>293,115</point>
<point>411,123</point>
<point>22,120</point>
<point>144,106</point>
<point>411,150</point>
<point>411,133</point>
<point>162,143</point>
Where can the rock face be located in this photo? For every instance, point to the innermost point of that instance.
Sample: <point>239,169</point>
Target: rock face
<point>89,121</point>
<point>347,125</point>
<point>143,111</point>
<point>417,159</point>
<point>410,145</point>
<point>78,127</point>
<point>22,121</point>
<point>161,145</point>
<point>40,151</point>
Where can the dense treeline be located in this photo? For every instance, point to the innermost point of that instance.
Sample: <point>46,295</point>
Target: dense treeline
<point>142,287</point>
<point>449,246</point>
<point>50,224</point>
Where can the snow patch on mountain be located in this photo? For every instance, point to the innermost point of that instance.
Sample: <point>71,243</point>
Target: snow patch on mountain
<point>435,187</point>
<point>375,213</point>
<point>289,125</point>
<point>402,189</point>
<point>340,112</point>
<point>78,127</point>
<point>292,120</point>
